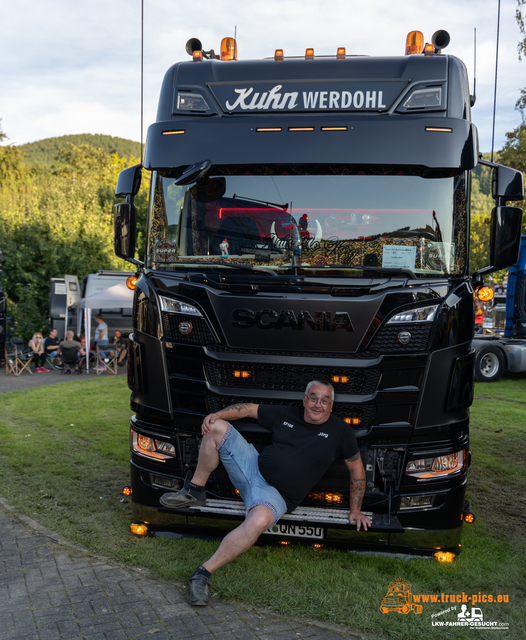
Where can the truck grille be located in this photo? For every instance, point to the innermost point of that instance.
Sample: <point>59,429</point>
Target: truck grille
<point>342,410</point>
<point>387,341</point>
<point>289,378</point>
<point>200,333</point>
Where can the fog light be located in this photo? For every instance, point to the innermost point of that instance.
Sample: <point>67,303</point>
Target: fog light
<point>127,490</point>
<point>139,529</point>
<point>444,556</point>
<point>416,502</point>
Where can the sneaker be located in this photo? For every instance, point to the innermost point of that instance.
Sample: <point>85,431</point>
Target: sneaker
<point>39,370</point>
<point>44,370</point>
<point>199,592</point>
<point>181,500</point>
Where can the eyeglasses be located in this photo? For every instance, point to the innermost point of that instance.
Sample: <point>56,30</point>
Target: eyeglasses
<point>314,399</point>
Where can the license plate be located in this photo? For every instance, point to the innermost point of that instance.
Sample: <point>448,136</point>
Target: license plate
<point>296,530</point>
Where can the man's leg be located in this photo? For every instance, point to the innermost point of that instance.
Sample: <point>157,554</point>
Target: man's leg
<point>233,545</point>
<point>239,540</point>
<point>194,494</point>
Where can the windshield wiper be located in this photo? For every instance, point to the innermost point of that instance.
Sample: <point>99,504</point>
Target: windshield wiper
<point>243,267</point>
<point>269,204</point>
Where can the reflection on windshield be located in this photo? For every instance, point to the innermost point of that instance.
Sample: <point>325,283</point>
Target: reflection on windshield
<point>315,222</point>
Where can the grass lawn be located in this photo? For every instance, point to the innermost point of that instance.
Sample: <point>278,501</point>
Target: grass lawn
<point>64,458</point>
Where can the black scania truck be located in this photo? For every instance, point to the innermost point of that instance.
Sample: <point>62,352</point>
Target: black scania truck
<point>309,219</point>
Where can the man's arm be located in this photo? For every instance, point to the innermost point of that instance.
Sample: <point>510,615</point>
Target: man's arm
<point>232,412</point>
<point>357,492</point>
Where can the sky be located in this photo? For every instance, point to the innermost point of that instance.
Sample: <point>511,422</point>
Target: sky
<point>69,67</point>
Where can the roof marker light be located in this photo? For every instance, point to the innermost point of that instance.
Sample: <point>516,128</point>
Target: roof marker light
<point>414,43</point>
<point>177,132</point>
<point>309,54</point>
<point>301,128</point>
<point>197,56</point>
<point>440,129</point>
<point>278,54</point>
<point>334,128</point>
<point>340,53</point>
<point>267,129</point>
<point>429,50</point>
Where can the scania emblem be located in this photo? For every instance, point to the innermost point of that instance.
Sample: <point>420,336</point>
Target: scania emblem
<point>185,328</point>
<point>404,337</point>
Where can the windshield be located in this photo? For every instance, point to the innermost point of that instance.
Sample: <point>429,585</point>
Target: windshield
<point>330,220</point>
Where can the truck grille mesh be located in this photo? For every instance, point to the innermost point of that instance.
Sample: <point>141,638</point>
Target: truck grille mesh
<point>289,378</point>
<point>387,341</point>
<point>342,410</point>
<point>200,333</point>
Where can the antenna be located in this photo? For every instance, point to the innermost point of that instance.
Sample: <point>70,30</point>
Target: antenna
<point>496,71</point>
<point>142,77</point>
<point>474,96</point>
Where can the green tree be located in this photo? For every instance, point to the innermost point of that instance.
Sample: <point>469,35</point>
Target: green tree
<point>56,221</point>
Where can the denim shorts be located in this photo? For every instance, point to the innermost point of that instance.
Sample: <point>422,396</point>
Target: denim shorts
<point>240,460</point>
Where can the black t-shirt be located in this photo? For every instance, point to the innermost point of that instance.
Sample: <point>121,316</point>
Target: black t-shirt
<point>301,452</point>
<point>48,342</point>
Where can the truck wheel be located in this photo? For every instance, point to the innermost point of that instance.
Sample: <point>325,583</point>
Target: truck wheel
<point>489,364</point>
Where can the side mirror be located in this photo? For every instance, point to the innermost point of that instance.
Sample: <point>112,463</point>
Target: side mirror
<point>505,237</point>
<point>129,181</point>
<point>124,230</point>
<point>507,183</point>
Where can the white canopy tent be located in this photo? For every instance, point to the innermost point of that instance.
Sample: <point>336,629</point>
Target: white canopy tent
<point>118,296</point>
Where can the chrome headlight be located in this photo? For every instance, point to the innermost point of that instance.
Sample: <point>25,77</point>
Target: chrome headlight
<point>438,467</point>
<point>423,314</point>
<point>176,306</point>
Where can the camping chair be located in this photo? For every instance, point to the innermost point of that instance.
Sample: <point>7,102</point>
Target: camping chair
<point>69,360</point>
<point>106,361</point>
<point>18,358</point>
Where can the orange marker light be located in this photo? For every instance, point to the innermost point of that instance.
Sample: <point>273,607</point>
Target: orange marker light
<point>131,282</point>
<point>414,43</point>
<point>139,529</point>
<point>485,294</point>
<point>278,54</point>
<point>228,49</point>
<point>309,54</point>
<point>429,49</point>
<point>127,490</point>
<point>340,53</point>
<point>197,56</point>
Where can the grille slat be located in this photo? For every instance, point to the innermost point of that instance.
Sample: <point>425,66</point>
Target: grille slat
<point>342,410</point>
<point>289,378</point>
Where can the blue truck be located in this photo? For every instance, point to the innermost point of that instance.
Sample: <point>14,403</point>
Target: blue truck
<point>503,347</point>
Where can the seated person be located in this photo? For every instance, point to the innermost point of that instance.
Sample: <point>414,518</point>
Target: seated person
<point>36,344</point>
<point>121,347</point>
<point>51,346</point>
<point>69,349</point>
<point>82,351</point>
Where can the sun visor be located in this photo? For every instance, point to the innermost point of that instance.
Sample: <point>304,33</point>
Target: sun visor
<point>433,142</point>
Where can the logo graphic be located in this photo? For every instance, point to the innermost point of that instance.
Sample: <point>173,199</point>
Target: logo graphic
<point>324,435</point>
<point>475,616</point>
<point>400,599</point>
